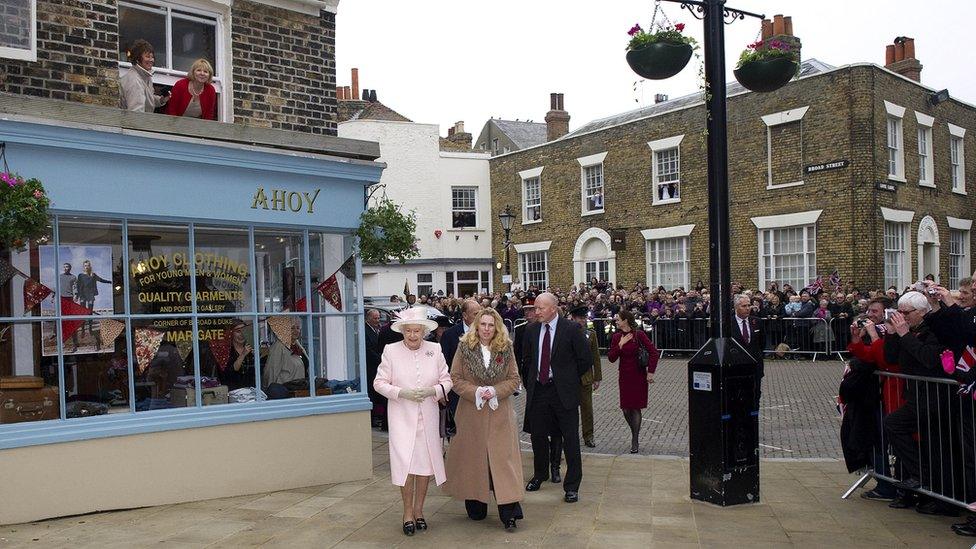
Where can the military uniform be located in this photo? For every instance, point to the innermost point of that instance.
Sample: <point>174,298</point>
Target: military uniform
<point>586,388</point>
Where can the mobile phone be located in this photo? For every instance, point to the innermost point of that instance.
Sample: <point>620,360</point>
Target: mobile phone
<point>888,313</point>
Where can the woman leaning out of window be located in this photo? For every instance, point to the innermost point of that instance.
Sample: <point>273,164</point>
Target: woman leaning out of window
<point>195,96</point>
<point>137,88</point>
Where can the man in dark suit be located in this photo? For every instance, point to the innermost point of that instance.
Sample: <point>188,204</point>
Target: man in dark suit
<point>373,356</point>
<point>449,345</point>
<point>555,356</point>
<point>747,331</point>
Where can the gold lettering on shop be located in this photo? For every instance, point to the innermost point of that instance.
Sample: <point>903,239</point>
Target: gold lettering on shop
<point>282,200</point>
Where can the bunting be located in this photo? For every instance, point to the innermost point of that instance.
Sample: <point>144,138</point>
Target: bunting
<point>147,344</point>
<point>109,330</point>
<point>329,288</point>
<point>70,308</point>
<point>7,271</point>
<point>221,350</point>
<point>34,293</point>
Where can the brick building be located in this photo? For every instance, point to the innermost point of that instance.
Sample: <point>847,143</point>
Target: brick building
<point>274,62</point>
<point>859,168</point>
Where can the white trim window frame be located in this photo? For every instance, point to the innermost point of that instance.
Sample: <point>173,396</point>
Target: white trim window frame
<point>897,247</point>
<point>776,119</point>
<point>960,254</point>
<point>425,280</point>
<point>669,262</point>
<point>957,158</point>
<point>531,195</point>
<point>592,184</point>
<point>193,11</point>
<point>29,52</point>
<point>895,141</point>
<point>787,248</point>
<point>666,170</point>
<point>534,269</point>
<point>926,162</point>
<point>464,202</point>
<point>599,268</point>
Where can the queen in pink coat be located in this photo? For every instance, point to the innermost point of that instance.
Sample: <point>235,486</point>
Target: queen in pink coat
<point>413,375</point>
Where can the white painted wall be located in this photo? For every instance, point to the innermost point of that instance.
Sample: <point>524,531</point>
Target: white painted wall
<point>419,177</point>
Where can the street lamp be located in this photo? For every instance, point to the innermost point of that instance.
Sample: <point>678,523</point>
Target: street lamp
<point>506,218</point>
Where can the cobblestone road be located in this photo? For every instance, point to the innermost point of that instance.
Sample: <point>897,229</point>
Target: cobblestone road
<point>798,418</point>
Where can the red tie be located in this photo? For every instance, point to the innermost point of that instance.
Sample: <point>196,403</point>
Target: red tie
<point>544,358</point>
<point>745,331</point>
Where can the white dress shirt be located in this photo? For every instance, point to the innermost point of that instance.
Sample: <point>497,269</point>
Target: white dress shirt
<point>552,338</point>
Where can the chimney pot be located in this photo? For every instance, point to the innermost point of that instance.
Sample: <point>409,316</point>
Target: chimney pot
<point>450,131</point>
<point>899,51</point>
<point>339,95</point>
<point>767,29</point>
<point>553,102</point>
<point>788,26</point>
<point>778,25</point>
<point>372,96</point>
<point>557,119</point>
<point>889,54</point>
<point>909,48</point>
<point>365,95</point>
<point>355,84</point>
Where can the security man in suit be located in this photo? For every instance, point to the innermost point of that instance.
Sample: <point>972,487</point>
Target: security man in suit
<point>591,380</point>
<point>449,344</point>
<point>555,356</point>
<point>748,332</point>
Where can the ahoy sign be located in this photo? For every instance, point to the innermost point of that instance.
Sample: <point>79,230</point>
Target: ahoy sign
<point>283,200</point>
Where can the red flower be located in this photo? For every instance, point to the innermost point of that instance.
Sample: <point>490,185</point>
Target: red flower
<point>635,29</point>
<point>679,27</point>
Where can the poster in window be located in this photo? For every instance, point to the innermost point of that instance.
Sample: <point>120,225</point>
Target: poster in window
<point>85,278</point>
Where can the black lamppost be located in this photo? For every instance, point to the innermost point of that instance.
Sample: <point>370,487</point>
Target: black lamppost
<point>506,218</point>
<point>723,418</point>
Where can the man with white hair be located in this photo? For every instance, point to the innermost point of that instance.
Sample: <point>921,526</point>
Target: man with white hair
<point>747,332</point>
<point>555,356</point>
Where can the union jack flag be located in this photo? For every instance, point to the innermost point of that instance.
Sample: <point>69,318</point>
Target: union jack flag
<point>834,279</point>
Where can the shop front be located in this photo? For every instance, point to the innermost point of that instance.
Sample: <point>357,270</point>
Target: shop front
<point>191,329</point>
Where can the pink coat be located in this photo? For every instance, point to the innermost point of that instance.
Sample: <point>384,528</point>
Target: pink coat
<point>402,368</point>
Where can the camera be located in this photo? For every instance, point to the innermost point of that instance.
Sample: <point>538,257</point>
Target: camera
<point>861,322</point>
<point>888,313</point>
<point>921,287</point>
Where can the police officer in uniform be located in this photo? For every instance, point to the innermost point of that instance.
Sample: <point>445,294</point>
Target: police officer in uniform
<point>591,380</point>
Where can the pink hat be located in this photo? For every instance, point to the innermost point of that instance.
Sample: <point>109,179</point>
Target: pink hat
<point>413,315</point>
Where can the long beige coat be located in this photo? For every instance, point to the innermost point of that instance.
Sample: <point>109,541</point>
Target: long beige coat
<point>487,440</point>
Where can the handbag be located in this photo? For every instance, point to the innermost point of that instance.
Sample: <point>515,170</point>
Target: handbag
<point>643,356</point>
<point>442,405</point>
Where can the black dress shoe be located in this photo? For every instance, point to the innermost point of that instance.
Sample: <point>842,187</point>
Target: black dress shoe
<point>908,484</point>
<point>589,444</point>
<point>933,507</point>
<point>421,524</point>
<point>904,501</point>
<point>965,530</point>
<point>409,528</point>
<point>971,521</point>
<point>571,497</point>
<point>510,525</point>
<point>556,479</point>
<point>533,485</point>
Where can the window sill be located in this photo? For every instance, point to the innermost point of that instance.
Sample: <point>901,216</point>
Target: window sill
<point>959,191</point>
<point>897,179</point>
<point>531,222</point>
<point>770,187</point>
<point>594,212</point>
<point>666,202</point>
<point>466,230</point>
<point>18,435</point>
<point>926,184</point>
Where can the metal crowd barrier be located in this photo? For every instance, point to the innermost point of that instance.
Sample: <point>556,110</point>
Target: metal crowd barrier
<point>931,437</point>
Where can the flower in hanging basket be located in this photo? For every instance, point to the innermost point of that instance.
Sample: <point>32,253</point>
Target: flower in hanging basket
<point>23,211</point>
<point>386,233</point>
<point>669,35</point>
<point>774,50</point>
<point>766,66</point>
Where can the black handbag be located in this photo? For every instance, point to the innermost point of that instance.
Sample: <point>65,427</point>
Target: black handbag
<point>643,356</point>
<point>443,405</point>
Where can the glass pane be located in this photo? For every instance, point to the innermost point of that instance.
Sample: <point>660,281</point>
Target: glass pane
<point>334,273</point>
<point>16,27</point>
<point>95,383</point>
<point>280,277</point>
<point>222,258</point>
<point>193,40</point>
<point>20,355</point>
<point>336,364</point>
<point>90,270</point>
<point>145,23</point>
<point>159,270</point>
<point>284,359</point>
<point>163,364</point>
<point>226,360</point>
<point>20,271</point>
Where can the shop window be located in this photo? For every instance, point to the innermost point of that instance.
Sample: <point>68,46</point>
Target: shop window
<point>18,19</point>
<point>464,207</point>
<point>179,35</point>
<point>35,396</point>
<point>280,276</point>
<point>159,270</point>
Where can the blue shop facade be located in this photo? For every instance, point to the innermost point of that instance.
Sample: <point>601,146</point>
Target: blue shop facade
<point>191,328</point>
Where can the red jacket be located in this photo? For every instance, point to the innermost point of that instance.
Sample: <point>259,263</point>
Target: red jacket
<point>892,388</point>
<point>181,99</point>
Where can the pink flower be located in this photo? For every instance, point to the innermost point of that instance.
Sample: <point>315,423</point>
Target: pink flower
<point>635,29</point>
<point>679,27</point>
<point>38,194</point>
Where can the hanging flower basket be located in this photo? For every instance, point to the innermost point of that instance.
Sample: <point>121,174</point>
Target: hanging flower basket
<point>767,68</point>
<point>659,55</point>
<point>23,211</point>
<point>387,234</point>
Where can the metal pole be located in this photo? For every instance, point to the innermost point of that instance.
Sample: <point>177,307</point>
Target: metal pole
<point>508,263</point>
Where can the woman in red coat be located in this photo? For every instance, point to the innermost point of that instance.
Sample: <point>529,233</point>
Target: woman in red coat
<point>195,96</point>
<point>633,381</point>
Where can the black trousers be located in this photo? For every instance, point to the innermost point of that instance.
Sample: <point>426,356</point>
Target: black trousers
<point>547,415</point>
<point>478,510</point>
<point>899,427</point>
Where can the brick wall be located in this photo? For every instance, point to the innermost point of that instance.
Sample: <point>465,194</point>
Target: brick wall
<point>845,121</point>
<point>77,54</point>
<point>284,68</point>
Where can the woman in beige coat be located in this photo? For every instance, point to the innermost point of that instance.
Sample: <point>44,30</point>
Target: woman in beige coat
<point>485,454</point>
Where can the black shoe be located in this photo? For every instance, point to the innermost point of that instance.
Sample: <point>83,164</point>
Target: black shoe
<point>409,528</point>
<point>873,495</point>
<point>633,448</point>
<point>933,507</point>
<point>571,497</point>
<point>556,479</point>
<point>905,501</point>
<point>965,530</point>
<point>510,525</point>
<point>533,485</point>
<point>589,443</point>
<point>971,521</point>
<point>908,484</point>
<point>421,524</point>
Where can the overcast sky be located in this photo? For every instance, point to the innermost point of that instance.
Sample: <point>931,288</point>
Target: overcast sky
<point>440,61</point>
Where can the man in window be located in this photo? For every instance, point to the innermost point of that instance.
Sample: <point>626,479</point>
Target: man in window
<point>596,201</point>
<point>86,290</point>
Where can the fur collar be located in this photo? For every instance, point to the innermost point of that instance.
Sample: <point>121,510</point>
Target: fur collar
<point>474,363</point>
